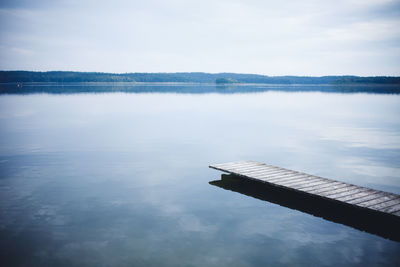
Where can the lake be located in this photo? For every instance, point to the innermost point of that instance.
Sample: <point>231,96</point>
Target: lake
<point>120,177</point>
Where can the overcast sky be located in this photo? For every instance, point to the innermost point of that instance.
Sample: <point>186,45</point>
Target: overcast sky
<point>246,36</point>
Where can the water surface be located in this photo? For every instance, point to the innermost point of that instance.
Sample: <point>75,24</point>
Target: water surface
<point>121,179</point>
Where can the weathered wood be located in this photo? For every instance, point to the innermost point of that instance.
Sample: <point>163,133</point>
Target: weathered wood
<point>337,191</point>
<point>281,178</point>
<point>376,201</point>
<point>373,195</point>
<point>348,192</point>
<point>238,163</point>
<point>245,168</point>
<point>314,185</point>
<point>357,196</point>
<point>302,182</point>
<point>265,172</point>
<point>397,213</point>
<point>392,209</point>
<point>386,204</point>
<point>326,186</point>
<point>338,185</point>
<point>275,175</point>
<point>300,186</point>
<point>252,168</point>
<point>292,177</point>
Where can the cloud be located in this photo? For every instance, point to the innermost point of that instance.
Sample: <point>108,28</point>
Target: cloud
<point>303,38</point>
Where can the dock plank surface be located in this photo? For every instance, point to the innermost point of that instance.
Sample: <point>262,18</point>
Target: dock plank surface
<point>344,193</point>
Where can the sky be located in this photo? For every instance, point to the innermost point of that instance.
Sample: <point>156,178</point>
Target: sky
<point>310,37</point>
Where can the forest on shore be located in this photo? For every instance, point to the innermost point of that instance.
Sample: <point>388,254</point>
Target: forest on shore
<point>193,77</point>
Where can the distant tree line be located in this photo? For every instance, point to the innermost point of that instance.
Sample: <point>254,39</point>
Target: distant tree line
<point>195,77</point>
<point>225,80</point>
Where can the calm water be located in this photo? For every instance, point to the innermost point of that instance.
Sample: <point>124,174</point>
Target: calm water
<point>122,179</point>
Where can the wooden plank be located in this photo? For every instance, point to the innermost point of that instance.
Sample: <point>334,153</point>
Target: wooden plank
<point>372,196</point>
<point>385,205</point>
<point>245,168</point>
<point>250,168</point>
<point>228,164</point>
<point>266,172</point>
<point>392,209</point>
<point>356,190</point>
<point>321,187</point>
<point>235,170</point>
<point>281,178</point>
<point>273,174</point>
<point>329,183</point>
<point>291,176</point>
<point>278,176</point>
<point>296,179</point>
<point>270,174</point>
<point>255,175</point>
<point>356,195</point>
<point>376,201</point>
<point>260,167</point>
<point>235,164</point>
<point>328,188</point>
<point>301,181</point>
<point>397,213</point>
<point>273,177</point>
<point>255,171</point>
<point>287,179</point>
<point>348,188</point>
<point>337,190</point>
<point>250,165</point>
<point>317,183</point>
<point>299,186</point>
<point>289,183</point>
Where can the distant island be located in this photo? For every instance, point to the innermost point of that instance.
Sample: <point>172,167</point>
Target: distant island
<point>188,77</point>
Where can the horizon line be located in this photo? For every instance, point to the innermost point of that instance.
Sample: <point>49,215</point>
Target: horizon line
<point>202,72</point>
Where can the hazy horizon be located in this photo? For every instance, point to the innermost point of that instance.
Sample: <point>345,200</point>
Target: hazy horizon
<point>205,72</point>
<point>307,38</point>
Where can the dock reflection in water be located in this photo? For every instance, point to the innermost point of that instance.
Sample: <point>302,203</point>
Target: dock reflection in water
<point>378,224</point>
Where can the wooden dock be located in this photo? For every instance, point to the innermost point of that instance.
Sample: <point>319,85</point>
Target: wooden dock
<point>339,192</point>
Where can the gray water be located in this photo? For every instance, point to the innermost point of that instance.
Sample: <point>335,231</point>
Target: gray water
<point>122,179</point>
